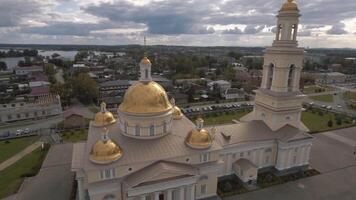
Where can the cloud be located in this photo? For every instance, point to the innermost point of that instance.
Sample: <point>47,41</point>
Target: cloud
<point>232,31</point>
<point>337,29</point>
<point>166,20</point>
<point>17,12</point>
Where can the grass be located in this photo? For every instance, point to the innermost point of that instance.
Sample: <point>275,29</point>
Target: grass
<point>350,96</point>
<point>324,98</point>
<point>317,89</point>
<point>12,177</point>
<point>317,120</point>
<point>75,136</point>
<point>14,146</point>
<point>224,118</point>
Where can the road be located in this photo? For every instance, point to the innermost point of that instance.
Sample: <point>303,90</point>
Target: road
<point>43,125</point>
<point>59,76</point>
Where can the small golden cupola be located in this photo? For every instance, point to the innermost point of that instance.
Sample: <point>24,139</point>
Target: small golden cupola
<point>104,117</point>
<point>177,112</point>
<point>290,5</point>
<point>105,150</point>
<point>199,138</point>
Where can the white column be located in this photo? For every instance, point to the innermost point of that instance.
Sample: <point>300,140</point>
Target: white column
<point>192,192</point>
<point>308,154</point>
<point>228,164</point>
<point>80,189</point>
<point>169,194</point>
<point>181,193</point>
<point>156,195</point>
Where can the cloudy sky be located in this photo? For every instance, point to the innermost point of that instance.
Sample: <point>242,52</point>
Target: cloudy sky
<point>325,23</point>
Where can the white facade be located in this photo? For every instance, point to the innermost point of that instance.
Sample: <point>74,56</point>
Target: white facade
<point>168,168</point>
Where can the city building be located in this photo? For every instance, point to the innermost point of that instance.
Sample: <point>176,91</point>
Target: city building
<point>38,107</point>
<point>152,151</point>
<point>28,70</point>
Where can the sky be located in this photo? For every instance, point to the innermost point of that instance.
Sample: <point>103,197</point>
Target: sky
<point>324,23</point>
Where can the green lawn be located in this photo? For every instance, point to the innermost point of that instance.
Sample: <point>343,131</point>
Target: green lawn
<point>318,121</point>
<point>14,146</point>
<point>316,89</point>
<point>350,95</point>
<point>12,177</point>
<point>224,118</point>
<point>75,136</point>
<point>325,98</point>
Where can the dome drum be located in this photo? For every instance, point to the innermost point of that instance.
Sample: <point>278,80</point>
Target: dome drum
<point>152,127</point>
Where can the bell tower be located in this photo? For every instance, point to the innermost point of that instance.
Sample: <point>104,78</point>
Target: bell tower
<point>278,101</point>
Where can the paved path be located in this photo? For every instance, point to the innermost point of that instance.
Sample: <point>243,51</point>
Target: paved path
<point>19,155</point>
<point>59,76</point>
<point>54,181</point>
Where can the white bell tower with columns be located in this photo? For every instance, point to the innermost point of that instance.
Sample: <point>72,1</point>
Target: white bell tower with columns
<point>278,102</point>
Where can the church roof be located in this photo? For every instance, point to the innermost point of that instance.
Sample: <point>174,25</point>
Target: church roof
<point>173,145</point>
<point>160,171</point>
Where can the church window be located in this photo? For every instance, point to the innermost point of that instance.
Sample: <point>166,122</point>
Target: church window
<point>146,73</point>
<point>294,32</point>
<point>279,31</point>
<point>267,160</point>
<point>270,76</point>
<point>294,159</point>
<point>205,157</point>
<point>291,78</point>
<point>137,130</point>
<point>125,127</point>
<point>203,189</point>
<point>248,153</point>
<point>268,150</point>
<point>164,127</point>
<point>152,130</point>
<point>107,174</point>
<point>242,154</point>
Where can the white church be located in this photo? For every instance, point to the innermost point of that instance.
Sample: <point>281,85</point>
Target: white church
<point>151,151</point>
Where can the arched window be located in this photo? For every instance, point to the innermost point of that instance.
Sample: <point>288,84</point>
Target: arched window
<point>279,31</point>
<point>294,32</point>
<point>152,130</point>
<point>126,127</point>
<point>109,197</point>
<point>137,130</point>
<point>146,73</point>
<point>164,127</point>
<point>270,76</point>
<point>291,78</point>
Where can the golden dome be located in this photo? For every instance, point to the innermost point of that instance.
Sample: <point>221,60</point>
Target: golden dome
<point>177,113</point>
<point>199,139</point>
<point>104,117</point>
<point>290,6</point>
<point>145,61</point>
<point>145,98</point>
<point>104,152</point>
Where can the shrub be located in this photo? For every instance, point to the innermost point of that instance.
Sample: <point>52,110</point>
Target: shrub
<point>7,142</point>
<point>338,121</point>
<point>320,113</point>
<point>330,123</point>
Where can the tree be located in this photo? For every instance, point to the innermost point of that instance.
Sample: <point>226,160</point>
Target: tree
<point>3,65</point>
<point>64,91</point>
<point>85,89</point>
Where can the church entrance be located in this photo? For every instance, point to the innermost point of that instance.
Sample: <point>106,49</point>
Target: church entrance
<point>161,197</point>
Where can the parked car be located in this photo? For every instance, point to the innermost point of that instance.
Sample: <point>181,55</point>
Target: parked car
<point>19,132</point>
<point>329,108</point>
<point>27,131</point>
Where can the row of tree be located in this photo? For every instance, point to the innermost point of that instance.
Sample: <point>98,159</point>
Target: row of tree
<point>18,53</point>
